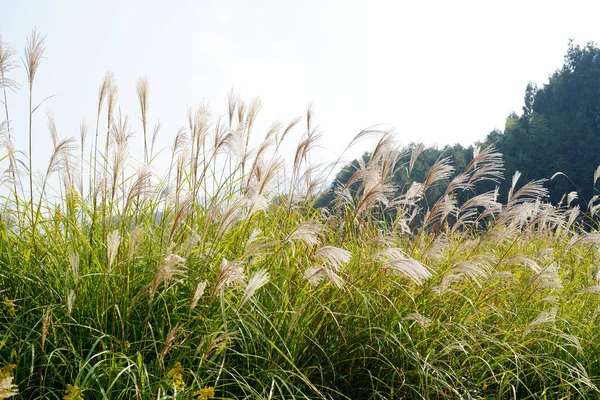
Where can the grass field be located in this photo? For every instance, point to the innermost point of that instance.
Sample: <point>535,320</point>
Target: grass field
<point>220,279</point>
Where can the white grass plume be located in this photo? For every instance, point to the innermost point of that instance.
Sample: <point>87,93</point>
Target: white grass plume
<point>417,150</point>
<point>544,317</point>
<point>396,261</point>
<point>315,275</point>
<point>306,232</point>
<point>231,272</point>
<point>255,282</point>
<point>198,292</point>
<point>34,52</point>
<point>334,256</point>
<point>420,319</point>
<point>7,53</point>
<point>113,240</point>
<point>172,267</point>
<point>74,264</point>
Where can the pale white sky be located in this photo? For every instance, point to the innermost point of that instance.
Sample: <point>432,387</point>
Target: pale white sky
<point>439,71</point>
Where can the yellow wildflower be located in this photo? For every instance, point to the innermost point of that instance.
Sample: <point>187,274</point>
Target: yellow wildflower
<point>73,393</point>
<point>12,308</point>
<point>205,393</point>
<point>7,387</point>
<point>175,376</point>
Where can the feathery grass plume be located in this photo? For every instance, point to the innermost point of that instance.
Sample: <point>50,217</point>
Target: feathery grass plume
<point>234,144</point>
<point>596,175</point>
<point>418,318</point>
<point>529,192</point>
<point>255,282</point>
<point>395,260</point>
<point>232,102</point>
<point>199,125</point>
<point>588,238</point>
<point>67,171</point>
<point>476,268</point>
<point>140,187</point>
<point>590,289</point>
<point>255,246</point>
<point>34,52</point>
<point>190,243</point>
<point>70,301</point>
<point>7,53</point>
<point>120,135</point>
<point>260,180</point>
<point>544,317</point>
<point>135,237</point>
<point>524,260</point>
<point>315,275</point>
<point>170,268</point>
<point>155,132</point>
<point>58,163</point>
<point>7,64</point>
<point>439,212</point>
<point>548,277</point>
<point>113,241</point>
<point>487,165</point>
<point>83,130</point>
<point>103,91</point>
<point>169,343</point>
<point>241,113</point>
<point>253,110</point>
<point>306,232</point>
<point>571,197</point>
<point>334,256</point>
<point>235,212</point>
<point>515,179</point>
<point>469,212</point>
<point>142,90</point>
<point>231,272</point>
<point>46,325</point>
<point>414,192</point>
<point>112,94</point>
<point>441,170</point>
<point>7,386</point>
<point>304,148</point>
<point>11,175</point>
<point>74,263</point>
<point>417,150</point>
<point>183,211</point>
<point>198,292</point>
<point>377,192</point>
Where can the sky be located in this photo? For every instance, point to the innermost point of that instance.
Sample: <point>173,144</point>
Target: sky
<point>440,72</point>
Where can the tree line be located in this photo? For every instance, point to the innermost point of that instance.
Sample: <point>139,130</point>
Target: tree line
<point>556,137</point>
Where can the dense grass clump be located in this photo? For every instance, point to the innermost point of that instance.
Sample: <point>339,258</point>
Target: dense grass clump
<point>220,279</point>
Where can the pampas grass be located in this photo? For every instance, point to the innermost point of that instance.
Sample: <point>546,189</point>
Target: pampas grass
<point>222,278</point>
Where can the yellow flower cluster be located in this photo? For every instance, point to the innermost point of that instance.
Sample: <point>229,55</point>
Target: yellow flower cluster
<point>205,393</point>
<point>73,393</point>
<point>175,376</point>
<point>12,308</point>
